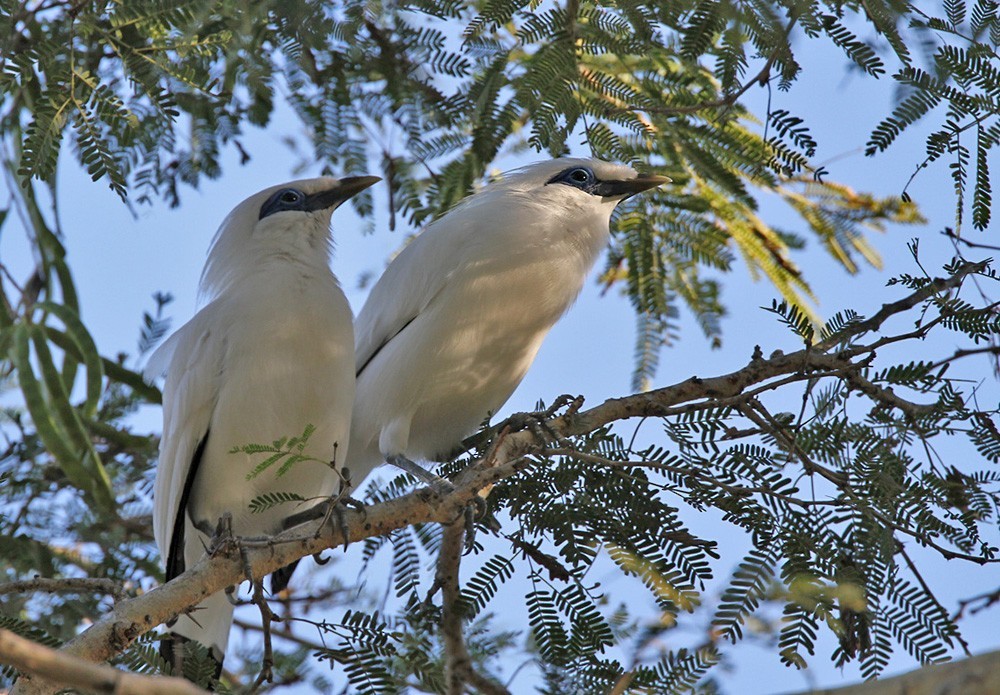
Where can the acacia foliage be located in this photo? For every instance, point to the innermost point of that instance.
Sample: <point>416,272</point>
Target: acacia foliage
<point>147,95</point>
<point>430,93</point>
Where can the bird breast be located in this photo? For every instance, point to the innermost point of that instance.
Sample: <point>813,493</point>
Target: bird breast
<point>288,364</point>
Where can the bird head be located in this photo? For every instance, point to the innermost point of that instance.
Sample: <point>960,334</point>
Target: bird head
<point>587,187</point>
<point>290,219</point>
<point>315,197</point>
<point>609,183</point>
<point>566,200</point>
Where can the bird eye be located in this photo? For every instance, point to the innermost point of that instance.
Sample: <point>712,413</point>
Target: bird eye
<point>283,200</point>
<point>577,177</point>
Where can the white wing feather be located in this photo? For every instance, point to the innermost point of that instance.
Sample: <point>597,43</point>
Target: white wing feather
<point>400,295</point>
<point>194,358</point>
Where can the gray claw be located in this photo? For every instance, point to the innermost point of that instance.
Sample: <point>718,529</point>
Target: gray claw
<point>474,511</point>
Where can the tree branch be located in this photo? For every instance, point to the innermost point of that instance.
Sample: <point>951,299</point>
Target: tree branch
<point>68,585</point>
<point>458,670</point>
<point>978,675</point>
<point>935,286</point>
<point>984,601</point>
<point>40,665</point>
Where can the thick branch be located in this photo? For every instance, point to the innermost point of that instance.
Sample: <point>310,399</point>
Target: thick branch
<point>458,670</point>
<point>457,663</point>
<point>134,617</point>
<point>59,669</point>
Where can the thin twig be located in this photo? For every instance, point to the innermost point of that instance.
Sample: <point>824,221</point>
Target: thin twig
<point>948,232</point>
<point>958,354</point>
<point>872,324</point>
<point>689,472</point>
<point>985,600</point>
<point>755,411</point>
<point>282,634</point>
<point>840,481</point>
<point>927,590</point>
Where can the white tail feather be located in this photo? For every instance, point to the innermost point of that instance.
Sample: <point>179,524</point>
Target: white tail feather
<point>208,623</point>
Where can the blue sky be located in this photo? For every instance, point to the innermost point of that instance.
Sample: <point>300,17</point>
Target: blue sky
<point>120,261</point>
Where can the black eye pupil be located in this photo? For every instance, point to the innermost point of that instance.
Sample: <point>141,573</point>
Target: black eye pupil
<point>579,175</point>
<point>290,197</point>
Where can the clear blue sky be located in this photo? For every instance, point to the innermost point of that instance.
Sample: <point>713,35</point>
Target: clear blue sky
<point>120,262</point>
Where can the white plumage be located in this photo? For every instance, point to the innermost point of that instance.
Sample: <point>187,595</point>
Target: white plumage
<point>453,324</point>
<point>271,352</point>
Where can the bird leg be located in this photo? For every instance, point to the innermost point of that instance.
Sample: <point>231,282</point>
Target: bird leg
<point>570,402</point>
<point>473,511</point>
<point>327,510</point>
<point>439,484</point>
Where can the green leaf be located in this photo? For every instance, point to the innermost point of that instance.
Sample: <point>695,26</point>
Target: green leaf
<point>99,483</point>
<point>263,503</point>
<point>85,351</point>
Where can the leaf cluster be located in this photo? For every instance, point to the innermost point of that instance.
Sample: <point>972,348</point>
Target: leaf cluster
<point>954,81</point>
<point>431,93</point>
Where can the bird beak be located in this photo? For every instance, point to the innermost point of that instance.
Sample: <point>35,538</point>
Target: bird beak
<point>345,189</point>
<point>629,187</point>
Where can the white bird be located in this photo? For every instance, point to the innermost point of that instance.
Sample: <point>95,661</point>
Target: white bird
<point>453,324</point>
<point>271,353</point>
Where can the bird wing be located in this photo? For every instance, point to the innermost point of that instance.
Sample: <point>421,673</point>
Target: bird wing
<point>405,289</point>
<point>194,373</point>
<point>448,247</point>
<point>158,362</point>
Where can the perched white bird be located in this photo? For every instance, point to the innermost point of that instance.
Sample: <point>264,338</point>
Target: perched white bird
<point>453,324</point>
<point>271,353</point>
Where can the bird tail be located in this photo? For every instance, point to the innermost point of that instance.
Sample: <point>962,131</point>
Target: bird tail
<point>195,644</point>
<point>281,576</point>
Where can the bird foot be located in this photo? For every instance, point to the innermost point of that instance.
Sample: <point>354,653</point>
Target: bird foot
<point>335,509</point>
<point>222,540</point>
<point>332,508</point>
<point>537,422</point>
